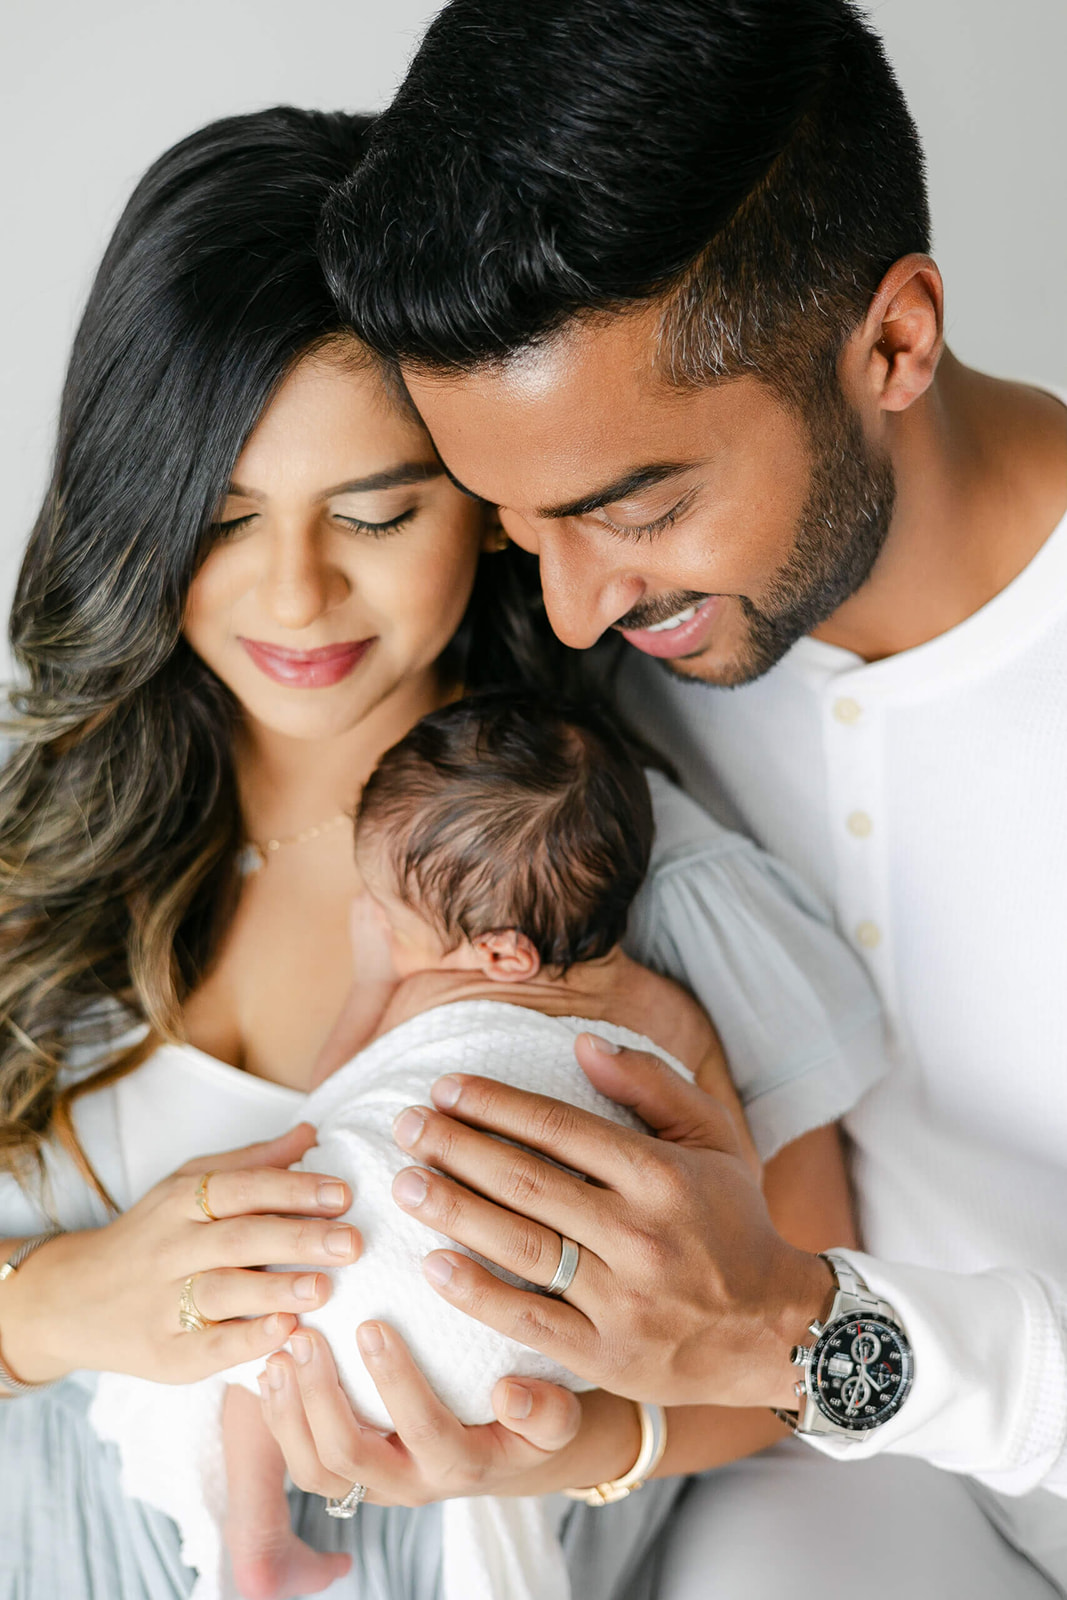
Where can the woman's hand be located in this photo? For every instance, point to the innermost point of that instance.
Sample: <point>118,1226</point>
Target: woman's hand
<point>107,1299</point>
<point>544,1438</point>
<point>685,1291</point>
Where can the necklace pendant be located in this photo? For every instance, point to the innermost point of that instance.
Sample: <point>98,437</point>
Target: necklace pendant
<point>250,858</point>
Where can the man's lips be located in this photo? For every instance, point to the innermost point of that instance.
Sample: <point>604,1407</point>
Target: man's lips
<point>307,669</point>
<point>685,640</point>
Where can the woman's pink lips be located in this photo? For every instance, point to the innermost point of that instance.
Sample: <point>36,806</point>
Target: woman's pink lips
<point>686,640</point>
<point>307,669</point>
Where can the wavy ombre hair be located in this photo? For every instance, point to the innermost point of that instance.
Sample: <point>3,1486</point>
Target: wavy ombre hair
<point>119,818</point>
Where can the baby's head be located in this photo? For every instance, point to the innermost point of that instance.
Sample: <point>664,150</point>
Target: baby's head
<point>506,834</point>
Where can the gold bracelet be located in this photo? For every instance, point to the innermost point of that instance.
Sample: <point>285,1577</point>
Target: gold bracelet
<point>9,1384</point>
<point>653,1420</point>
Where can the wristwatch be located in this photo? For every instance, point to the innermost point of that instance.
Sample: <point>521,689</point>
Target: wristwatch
<point>860,1369</point>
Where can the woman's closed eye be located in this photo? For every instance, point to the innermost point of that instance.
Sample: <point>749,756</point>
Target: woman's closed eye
<point>229,527</point>
<point>377,530</point>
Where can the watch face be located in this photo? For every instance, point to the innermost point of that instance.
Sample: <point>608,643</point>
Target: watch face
<point>861,1371</point>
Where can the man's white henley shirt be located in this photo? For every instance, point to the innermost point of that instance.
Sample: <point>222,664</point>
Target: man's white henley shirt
<point>925,797</point>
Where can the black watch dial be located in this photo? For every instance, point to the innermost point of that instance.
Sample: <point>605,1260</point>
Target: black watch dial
<point>861,1370</point>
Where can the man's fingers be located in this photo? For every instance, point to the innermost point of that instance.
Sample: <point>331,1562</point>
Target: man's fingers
<point>543,1414</point>
<point>677,1110</point>
<point>499,1231</point>
<point>552,1326</point>
<point>601,1150</point>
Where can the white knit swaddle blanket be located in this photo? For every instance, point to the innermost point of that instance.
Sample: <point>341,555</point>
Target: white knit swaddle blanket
<point>169,1438</point>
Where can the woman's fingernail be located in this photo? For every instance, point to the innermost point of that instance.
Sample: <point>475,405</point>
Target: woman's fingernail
<point>446,1092</point>
<point>332,1195</point>
<point>371,1339</point>
<point>603,1047</point>
<point>518,1402</point>
<point>307,1288</point>
<point>278,1326</point>
<point>341,1242</point>
<point>300,1345</point>
<point>438,1269</point>
<point>407,1129</point>
<point>275,1374</point>
<point>409,1187</point>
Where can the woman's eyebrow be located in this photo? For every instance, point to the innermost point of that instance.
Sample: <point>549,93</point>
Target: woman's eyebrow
<point>389,478</point>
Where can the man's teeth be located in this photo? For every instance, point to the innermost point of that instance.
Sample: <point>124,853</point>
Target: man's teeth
<point>673,622</point>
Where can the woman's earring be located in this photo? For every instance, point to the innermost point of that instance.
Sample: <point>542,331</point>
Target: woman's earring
<point>495,539</point>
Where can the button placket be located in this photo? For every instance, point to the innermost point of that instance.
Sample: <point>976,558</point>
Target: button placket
<point>853,738</point>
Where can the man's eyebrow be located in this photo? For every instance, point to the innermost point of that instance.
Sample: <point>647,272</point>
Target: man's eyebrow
<point>631,483</point>
<point>389,478</point>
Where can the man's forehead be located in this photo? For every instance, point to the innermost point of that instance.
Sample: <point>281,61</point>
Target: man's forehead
<point>559,420</point>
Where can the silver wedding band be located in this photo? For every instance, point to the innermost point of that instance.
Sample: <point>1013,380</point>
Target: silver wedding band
<point>568,1266</point>
<point>350,1504</point>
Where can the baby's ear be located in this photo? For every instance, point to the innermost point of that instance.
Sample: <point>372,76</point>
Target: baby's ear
<point>507,955</point>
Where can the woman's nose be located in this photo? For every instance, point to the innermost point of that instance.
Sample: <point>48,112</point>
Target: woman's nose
<point>301,584</point>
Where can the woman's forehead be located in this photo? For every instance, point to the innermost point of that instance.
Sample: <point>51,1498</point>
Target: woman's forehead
<point>331,421</point>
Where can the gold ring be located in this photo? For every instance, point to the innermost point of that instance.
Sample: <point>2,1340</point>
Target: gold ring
<point>201,1197</point>
<point>190,1316</point>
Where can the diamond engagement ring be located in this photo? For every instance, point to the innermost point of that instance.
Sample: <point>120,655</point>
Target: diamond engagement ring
<point>350,1504</point>
<point>190,1316</point>
<point>564,1274</point>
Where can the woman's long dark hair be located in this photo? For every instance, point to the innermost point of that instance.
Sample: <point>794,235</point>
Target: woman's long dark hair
<point>119,819</point>
<point>118,808</point>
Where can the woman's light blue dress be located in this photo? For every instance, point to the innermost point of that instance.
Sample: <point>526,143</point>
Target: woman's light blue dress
<point>803,1035</point>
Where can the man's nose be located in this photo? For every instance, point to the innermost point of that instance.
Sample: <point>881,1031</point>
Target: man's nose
<point>581,599</point>
<point>300,583</point>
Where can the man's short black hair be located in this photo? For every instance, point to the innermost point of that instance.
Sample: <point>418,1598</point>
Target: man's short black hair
<point>750,162</point>
<point>516,811</point>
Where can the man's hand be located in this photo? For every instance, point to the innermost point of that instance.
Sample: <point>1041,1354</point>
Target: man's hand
<point>685,1292</point>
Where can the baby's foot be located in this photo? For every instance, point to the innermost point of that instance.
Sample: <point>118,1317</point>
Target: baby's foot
<point>283,1567</point>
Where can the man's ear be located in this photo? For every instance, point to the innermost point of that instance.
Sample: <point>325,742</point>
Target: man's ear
<point>506,955</point>
<point>892,359</point>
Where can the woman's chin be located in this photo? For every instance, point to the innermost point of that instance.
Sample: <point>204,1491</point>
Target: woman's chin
<point>315,718</point>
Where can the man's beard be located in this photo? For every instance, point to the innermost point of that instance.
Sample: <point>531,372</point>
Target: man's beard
<point>839,536</point>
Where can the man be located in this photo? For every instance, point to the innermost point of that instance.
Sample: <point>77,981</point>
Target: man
<point>657,278</point>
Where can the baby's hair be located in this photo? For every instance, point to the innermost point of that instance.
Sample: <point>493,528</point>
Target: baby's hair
<point>507,810</point>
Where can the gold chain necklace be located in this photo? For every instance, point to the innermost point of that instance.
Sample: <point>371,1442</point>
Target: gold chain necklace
<point>255,853</point>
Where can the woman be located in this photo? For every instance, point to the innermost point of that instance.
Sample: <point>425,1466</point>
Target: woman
<point>250,576</point>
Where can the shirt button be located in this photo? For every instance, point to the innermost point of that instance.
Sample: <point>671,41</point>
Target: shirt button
<point>859,824</point>
<point>846,710</point>
<point>869,935</point>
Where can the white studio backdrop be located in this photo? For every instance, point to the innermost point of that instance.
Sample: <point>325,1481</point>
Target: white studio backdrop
<point>90,93</point>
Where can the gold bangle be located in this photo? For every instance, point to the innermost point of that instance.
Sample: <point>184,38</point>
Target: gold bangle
<point>653,1420</point>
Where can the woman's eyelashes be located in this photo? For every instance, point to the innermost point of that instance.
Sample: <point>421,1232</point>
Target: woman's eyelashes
<point>378,530</point>
<point>226,527</point>
<point>230,527</point>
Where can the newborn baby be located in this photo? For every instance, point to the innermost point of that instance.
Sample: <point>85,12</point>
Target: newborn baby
<point>500,845</point>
